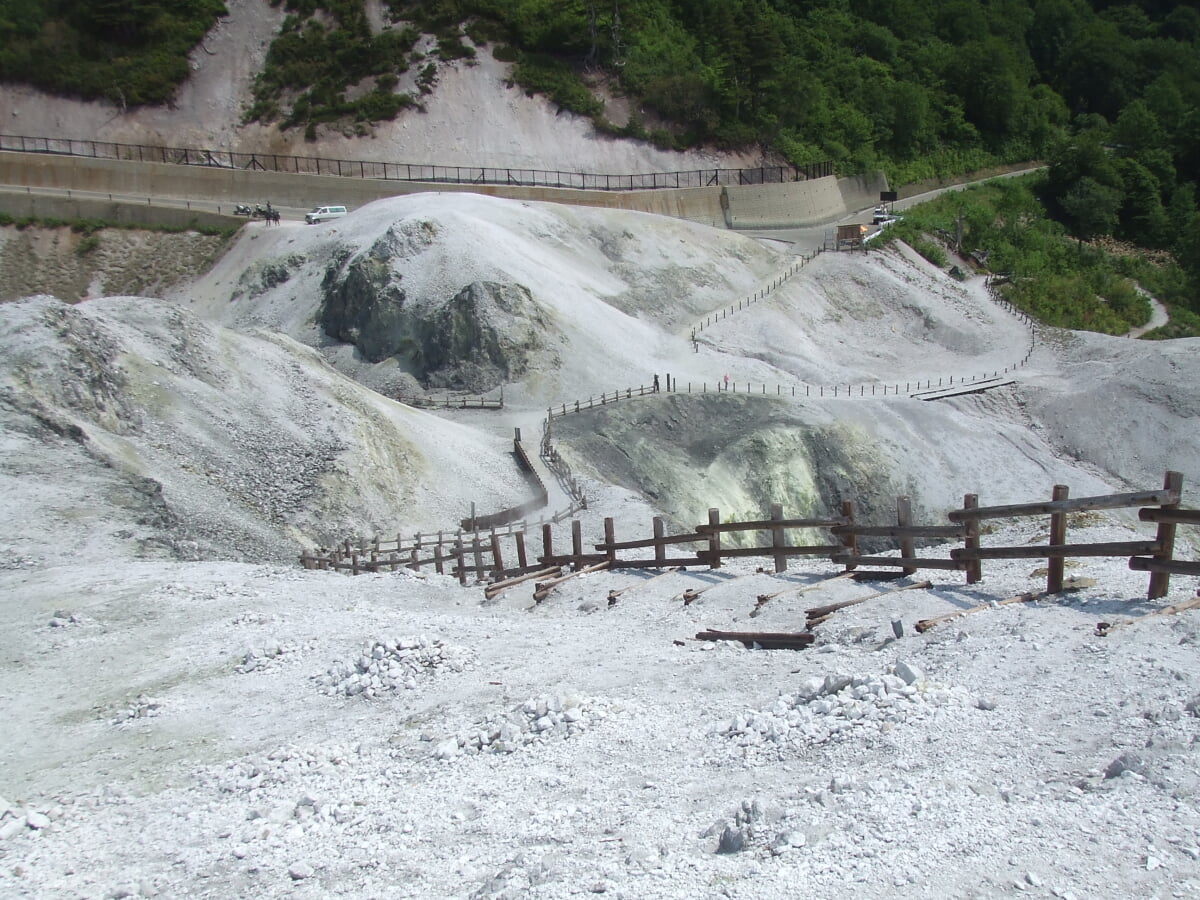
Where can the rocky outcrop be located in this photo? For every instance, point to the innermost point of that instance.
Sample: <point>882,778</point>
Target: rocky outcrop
<point>476,340</point>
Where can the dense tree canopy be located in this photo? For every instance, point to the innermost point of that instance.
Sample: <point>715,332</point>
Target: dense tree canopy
<point>1107,90</point>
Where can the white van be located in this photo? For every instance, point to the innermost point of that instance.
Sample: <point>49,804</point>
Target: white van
<point>324,214</point>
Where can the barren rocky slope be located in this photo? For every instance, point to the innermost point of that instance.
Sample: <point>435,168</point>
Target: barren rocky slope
<point>228,724</point>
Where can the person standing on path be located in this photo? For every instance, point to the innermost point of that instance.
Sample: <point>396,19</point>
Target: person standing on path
<point>656,384</point>
<point>726,381</point>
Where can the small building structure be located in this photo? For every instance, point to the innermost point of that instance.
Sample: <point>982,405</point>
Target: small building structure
<point>850,236</point>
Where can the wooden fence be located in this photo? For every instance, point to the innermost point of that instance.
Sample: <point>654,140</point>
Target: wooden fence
<point>448,402</point>
<point>419,172</point>
<point>483,557</point>
<point>775,283</point>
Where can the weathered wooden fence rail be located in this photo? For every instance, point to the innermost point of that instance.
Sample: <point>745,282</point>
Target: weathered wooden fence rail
<point>448,402</point>
<point>744,303</point>
<point>483,558</point>
<point>420,172</point>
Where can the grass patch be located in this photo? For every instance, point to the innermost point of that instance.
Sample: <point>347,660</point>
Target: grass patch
<point>1051,276</point>
<point>89,227</point>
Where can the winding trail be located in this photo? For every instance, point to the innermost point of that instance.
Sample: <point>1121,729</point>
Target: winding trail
<point>1158,317</point>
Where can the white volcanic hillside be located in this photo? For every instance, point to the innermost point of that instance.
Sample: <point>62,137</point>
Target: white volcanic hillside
<point>185,712</point>
<point>590,273</point>
<point>184,439</point>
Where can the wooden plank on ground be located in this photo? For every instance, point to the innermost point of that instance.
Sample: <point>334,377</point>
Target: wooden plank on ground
<point>819,614</point>
<point>614,594</point>
<point>1074,583</point>
<point>1103,629</point>
<point>764,599</point>
<point>493,589</point>
<point>767,640</point>
<point>542,589</point>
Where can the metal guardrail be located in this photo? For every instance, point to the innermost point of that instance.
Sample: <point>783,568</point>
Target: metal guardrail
<point>418,172</point>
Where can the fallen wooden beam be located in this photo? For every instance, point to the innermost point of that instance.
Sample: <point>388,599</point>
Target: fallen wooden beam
<point>542,589</point>
<point>1071,584</point>
<point>819,614</point>
<point>1103,629</point>
<point>767,640</point>
<point>500,586</point>
<point>763,599</point>
<point>925,624</point>
<point>614,594</point>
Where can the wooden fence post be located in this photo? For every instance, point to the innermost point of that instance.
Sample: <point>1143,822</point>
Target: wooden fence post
<point>497,561</point>
<point>438,566</point>
<point>462,561</point>
<point>610,538</point>
<point>547,545</point>
<point>522,562</point>
<point>577,544</point>
<point>714,539</point>
<point>660,549</point>
<point>1165,538</point>
<point>908,547</point>
<point>971,540</point>
<point>849,538</point>
<point>477,547</point>
<point>1058,535</point>
<point>777,540</point>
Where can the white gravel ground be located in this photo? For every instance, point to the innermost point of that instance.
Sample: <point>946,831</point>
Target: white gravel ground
<point>188,714</point>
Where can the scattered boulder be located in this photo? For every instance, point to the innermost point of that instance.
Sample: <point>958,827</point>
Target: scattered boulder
<point>475,340</point>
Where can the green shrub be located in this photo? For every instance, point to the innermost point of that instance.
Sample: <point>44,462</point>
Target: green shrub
<point>87,245</point>
<point>541,74</point>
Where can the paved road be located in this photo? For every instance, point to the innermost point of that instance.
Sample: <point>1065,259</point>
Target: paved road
<point>809,238</point>
<point>288,212</point>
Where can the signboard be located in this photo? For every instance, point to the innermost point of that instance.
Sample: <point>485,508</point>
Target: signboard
<point>888,197</point>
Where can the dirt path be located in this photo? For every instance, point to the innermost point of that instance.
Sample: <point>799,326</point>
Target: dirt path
<point>1158,317</point>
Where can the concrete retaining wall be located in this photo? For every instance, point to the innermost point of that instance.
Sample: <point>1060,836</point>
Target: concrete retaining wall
<point>69,209</point>
<point>862,191</point>
<point>785,205</point>
<point>743,206</point>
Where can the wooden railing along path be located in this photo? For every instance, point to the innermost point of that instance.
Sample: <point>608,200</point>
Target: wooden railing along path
<point>483,558</point>
<point>416,172</point>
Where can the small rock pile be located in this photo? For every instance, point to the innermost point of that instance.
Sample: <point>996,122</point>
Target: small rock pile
<point>143,707</point>
<point>63,618</point>
<point>16,819</point>
<point>840,706</point>
<point>536,720</point>
<point>259,658</point>
<point>391,665</point>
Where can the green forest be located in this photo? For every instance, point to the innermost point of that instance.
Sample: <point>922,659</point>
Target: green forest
<point>1106,93</point>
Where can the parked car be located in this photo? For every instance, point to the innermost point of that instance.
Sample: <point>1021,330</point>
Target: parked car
<point>324,214</point>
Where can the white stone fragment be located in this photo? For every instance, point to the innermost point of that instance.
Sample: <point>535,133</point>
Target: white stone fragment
<point>909,672</point>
